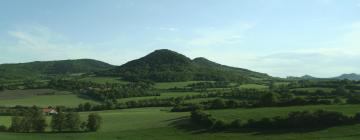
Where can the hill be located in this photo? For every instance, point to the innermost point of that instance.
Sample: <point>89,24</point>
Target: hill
<point>169,66</point>
<point>351,76</point>
<point>305,77</point>
<point>41,68</point>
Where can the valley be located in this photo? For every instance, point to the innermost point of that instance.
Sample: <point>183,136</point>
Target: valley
<point>155,96</point>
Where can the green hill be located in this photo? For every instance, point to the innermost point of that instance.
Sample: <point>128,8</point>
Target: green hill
<point>40,68</point>
<point>169,66</point>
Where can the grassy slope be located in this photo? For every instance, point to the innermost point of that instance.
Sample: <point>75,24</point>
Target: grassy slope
<point>257,113</point>
<point>154,124</point>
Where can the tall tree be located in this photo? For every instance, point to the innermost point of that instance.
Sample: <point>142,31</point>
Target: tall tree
<point>58,122</point>
<point>73,121</point>
<point>94,122</point>
<point>16,124</point>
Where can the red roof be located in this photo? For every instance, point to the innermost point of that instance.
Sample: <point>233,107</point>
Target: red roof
<point>47,110</point>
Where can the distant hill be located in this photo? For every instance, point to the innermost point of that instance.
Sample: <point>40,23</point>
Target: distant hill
<point>39,68</point>
<point>351,76</point>
<point>305,77</point>
<point>166,65</point>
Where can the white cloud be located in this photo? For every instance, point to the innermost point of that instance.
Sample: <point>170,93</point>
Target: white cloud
<point>340,56</point>
<point>220,36</point>
<point>171,29</point>
<point>39,43</point>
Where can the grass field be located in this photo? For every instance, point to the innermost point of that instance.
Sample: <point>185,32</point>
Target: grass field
<point>156,124</point>
<point>258,113</point>
<point>69,100</point>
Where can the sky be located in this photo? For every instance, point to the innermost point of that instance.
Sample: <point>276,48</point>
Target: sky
<point>279,37</point>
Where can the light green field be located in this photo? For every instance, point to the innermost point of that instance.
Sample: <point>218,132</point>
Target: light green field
<point>253,86</point>
<point>103,80</point>
<point>167,85</point>
<point>258,113</point>
<point>155,124</point>
<point>69,100</point>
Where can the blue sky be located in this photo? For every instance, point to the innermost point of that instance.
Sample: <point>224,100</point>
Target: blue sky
<point>278,37</point>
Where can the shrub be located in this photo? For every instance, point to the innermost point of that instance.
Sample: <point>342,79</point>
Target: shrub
<point>236,124</point>
<point>219,125</point>
<point>3,128</point>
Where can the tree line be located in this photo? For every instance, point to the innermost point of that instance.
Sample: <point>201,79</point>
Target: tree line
<point>105,92</point>
<point>294,120</point>
<point>34,120</point>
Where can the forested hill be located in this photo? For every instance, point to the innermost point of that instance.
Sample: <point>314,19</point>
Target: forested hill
<point>39,68</point>
<point>166,65</point>
<point>351,76</point>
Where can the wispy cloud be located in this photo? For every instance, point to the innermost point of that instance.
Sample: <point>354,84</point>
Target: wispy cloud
<point>220,36</point>
<point>41,43</point>
<point>171,29</point>
<point>341,55</point>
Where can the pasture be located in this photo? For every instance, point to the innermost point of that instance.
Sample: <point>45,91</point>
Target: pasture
<point>258,113</point>
<point>41,97</point>
<point>159,124</point>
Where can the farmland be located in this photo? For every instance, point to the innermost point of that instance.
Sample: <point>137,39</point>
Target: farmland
<point>158,123</point>
<point>41,97</point>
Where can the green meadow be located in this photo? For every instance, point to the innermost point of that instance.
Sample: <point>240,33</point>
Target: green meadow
<point>41,98</point>
<point>160,124</point>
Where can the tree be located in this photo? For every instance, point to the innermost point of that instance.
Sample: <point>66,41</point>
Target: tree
<point>87,106</point>
<point>218,103</point>
<point>37,119</point>
<point>73,121</point>
<point>3,128</point>
<point>58,122</point>
<point>16,124</point>
<point>341,90</point>
<point>269,99</point>
<point>81,107</point>
<point>31,120</point>
<point>338,100</point>
<point>2,87</point>
<point>38,122</point>
<point>94,122</point>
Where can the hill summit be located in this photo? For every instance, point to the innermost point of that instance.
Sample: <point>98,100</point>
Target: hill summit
<point>169,66</point>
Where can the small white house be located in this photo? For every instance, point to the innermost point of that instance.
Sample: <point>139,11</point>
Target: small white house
<point>49,111</point>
